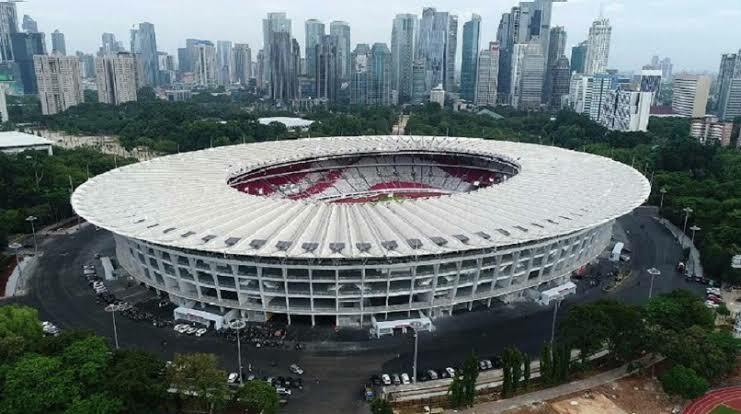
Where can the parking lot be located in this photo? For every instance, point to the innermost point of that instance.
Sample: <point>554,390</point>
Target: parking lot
<point>336,364</point>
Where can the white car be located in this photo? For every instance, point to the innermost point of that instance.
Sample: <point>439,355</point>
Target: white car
<point>233,377</point>
<point>405,379</point>
<point>710,304</point>
<point>181,328</point>
<point>712,291</point>
<point>191,330</point>
<point>201,331</point>
<point>296,369</point>
<point>283,391</point>
<point>450,371</point>
<point>385,379</point>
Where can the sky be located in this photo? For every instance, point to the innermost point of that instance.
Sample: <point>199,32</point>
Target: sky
<point>693,33</point>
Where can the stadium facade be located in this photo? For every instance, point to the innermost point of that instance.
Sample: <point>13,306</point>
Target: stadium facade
<point>354,230</point>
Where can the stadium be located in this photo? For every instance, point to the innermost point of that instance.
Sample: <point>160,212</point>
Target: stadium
<point>355,231</point>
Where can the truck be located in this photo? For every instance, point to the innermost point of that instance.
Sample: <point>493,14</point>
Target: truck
<point>616,251</point>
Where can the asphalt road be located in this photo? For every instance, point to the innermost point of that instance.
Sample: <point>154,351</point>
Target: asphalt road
<point>63,297</point>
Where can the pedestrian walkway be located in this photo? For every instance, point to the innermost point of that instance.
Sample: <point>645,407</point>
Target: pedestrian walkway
<point>552,393</point>
<point>694,264</point>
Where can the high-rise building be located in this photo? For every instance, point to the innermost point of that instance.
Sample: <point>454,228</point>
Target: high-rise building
<point>436,46</point>
<point>690,95</point>
<point>341,30</point>
<point>379,90</point>
<point>528,69</point>
<point>730,69</point>
<point>598,47</point>
<point>505,38</point>
<point>419,81</point>
<point>559,83</point>
<point>58,45</point>
<point>144,46</point>
<point>732,107</point>
<point>260,75</point>
<point>578,57</point>
<point>470,53</point>
<point>116,78</point>
<point>242,63</point>
<point>205,66</point>
<point>402,55</point>
<point>487,76</point>
<point>274,23</point>
<point>59,82</point>
<point>437,95</point>
<point>29,24</point>
<point>166,63</point>
<point>625,110</point>
<point>587,93</point>
<point>285,58</point>
<point>556,49</point>
<point>224,62</point>
<point>87,65</point>
<point>664,65</point>
<point>8,27</point>
<point>25,46</point>
<point>4,117</point>
<point>328,69</point>
<point>109,45</point>
<point>314,32</point>
<point>360,74</point>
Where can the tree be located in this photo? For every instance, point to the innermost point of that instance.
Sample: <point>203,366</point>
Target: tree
<point>87,360</point>
<point>199,375</point>
<point>137,379</point>
<point>683,381</point>
<point>20,321</point>
<point>626,332</point>
<point>96,404</point>
<point>456,391</point>
<point>585,328</point>
<point>506,379</point>
<point>677,311</point>
<point>546,363</point>
<point>380,406</point>
<point>470,376</point>
<point>260,397</point>
<point>38,384</point>
<point>710,354</point>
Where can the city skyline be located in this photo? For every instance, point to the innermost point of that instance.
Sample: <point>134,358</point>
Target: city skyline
<point>84,21</point>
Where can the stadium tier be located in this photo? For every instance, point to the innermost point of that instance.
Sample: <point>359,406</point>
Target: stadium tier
<point>353,229</point>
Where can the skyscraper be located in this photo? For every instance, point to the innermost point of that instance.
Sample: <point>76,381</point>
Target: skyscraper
<point>578,57</point>
<point>341,30</point>
<point>116,78</point>
<point>224,62</point>
<point>598,47</point>
<point>360,74</point>
<point>379,92</point>
<point>419,81</point>
<point>559,82</point>
<point>29,25</point>
<point>487,76</point>
<point>205,66</point>
<point>274,23</point>
<point>730,69</point>
<point>625,110</point>
<point>285,59</point>
<point>58,44</point>
<point>87,65</point>
<point>528,64</point>
<point>109,44</point>
<point>436,45</point>
<point>25,46</point>
<point>314,32</point>
<point>144,45</point>
<point>260,69</point>
<point>470,52</point>
<point>328,68</point>
<point>505,38</point>
<point>402,55</point>
<point>59,82</point>
<point>242,63</point>
<point>8,27</point>
<point>690,95</point>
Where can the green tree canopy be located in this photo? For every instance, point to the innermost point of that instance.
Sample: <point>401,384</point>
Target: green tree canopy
<point>258,397</point>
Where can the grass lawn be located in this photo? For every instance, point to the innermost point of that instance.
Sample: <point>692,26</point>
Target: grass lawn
<point>722,409</point>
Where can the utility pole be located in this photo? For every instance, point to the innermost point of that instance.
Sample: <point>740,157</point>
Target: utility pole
<point>662,191</point>
<point>556,305</point>
<point>238,325</point>
<point>416,347</point>
<point>687,212</point>
<point>31,219</point>
<point>653,272</point>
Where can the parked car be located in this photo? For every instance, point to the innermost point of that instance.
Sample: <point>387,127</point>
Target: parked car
<point>712,291</point>
<point>711,304</point>
<point>450,371</point>
<point>191,330</point>
<point>296,369</point>
<point>385,379</point>
<point>432,374</point>
<point>395,378</point>
<point>201,331</point>
<point>282,391</point>
<point>405,378</point>
<point>232,378</point>
<point>375,379</point>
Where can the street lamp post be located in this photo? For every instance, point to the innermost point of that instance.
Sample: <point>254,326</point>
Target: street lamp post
<point>112,308</point>
<point>661,203</point>
<point>414,365</point>
<point>17,247</point>
<point>238,325</point>
<point>653,272</point>
<point>694,229</point>
<point>687,211</point>
<point>556,305</point>
<point>31,219</point>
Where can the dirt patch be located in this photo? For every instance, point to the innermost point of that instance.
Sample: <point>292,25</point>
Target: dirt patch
<point>638,395</point>
<point>594,403</point>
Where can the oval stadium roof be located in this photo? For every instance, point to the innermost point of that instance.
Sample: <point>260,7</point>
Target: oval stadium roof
<point>184,201</point>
